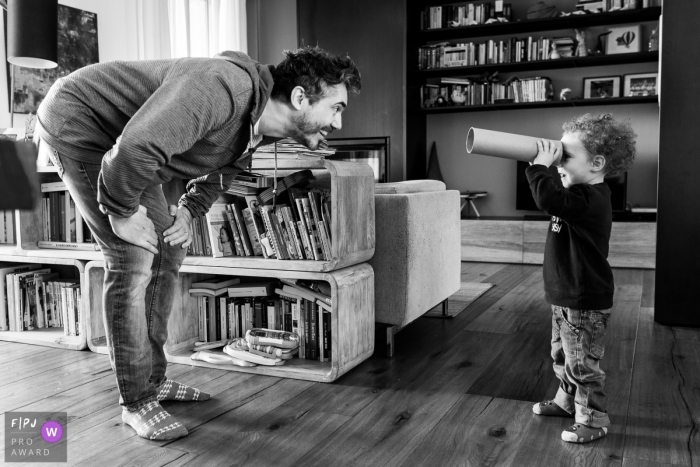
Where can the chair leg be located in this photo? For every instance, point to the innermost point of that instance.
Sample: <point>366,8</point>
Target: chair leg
<point>390,331</point>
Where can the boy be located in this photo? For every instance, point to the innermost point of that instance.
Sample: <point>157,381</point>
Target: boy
<point>578,280</point>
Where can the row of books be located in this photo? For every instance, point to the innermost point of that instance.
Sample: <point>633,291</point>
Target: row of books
<point>602,6</point>
<point>7,226</point>
<point>513,50</point>
<point>62,224</point>
<point>467,14</point>
<point>465,92</point>
<point>298,229</point>
<point>227,309</point>
<point>34,297</point>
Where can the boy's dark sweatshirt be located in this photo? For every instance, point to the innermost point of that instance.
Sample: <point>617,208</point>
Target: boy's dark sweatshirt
<point>576,270</point>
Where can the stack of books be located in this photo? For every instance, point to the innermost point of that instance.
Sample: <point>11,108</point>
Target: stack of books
<point>564,46</point>
<point>289,147</point>
<point>63,225</point>
<point>34,297</point>
<point>230,309</point>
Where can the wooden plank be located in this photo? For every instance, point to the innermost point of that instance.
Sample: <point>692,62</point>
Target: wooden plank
<point>281,437</point>
<point>132,453</point>
<point>383,432</point>
<point>633,245</point>
<point>534,237</point>
<point>649,288</point>
<point>664,402</point>
<point>492,241</point>
<point>478,272</point>
<point>204,442</point>
<point>621,336</point>
<point>523,305</point>
<point>479,430</point>
<point>20,351</point>
<point>628,276</point>
<point>21,393</point>
<point>36,364</point>
<point>630,462</point>
<point>522,370</point>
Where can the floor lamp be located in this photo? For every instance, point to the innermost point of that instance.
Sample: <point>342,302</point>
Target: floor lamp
<point>32,38</point>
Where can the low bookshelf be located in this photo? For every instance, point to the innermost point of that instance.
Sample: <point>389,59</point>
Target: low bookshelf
<point>352,319</point>
<point>52,337</point>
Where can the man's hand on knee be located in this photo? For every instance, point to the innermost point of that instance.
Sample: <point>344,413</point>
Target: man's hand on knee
<point>137,230</point>
<point>179,232</point>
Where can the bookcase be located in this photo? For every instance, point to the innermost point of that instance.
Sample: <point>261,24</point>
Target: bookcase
<point>51,337</point>
<point>351,280</point>
<point>417,116</point>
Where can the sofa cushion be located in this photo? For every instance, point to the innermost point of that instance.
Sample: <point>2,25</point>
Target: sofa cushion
<point>408,186</point>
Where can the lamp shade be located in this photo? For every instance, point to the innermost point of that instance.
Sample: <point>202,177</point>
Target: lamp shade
<point>32,33</point>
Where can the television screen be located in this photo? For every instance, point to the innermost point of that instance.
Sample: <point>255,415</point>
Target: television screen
<point>525,202</point>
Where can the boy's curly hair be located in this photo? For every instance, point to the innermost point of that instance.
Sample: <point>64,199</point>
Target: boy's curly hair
<point>314,69</point>
<point>603,135</point>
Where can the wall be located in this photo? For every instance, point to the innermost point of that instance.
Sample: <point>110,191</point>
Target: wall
<point>373,33</point>
<point>463,171</point>
<point>272,28</point>
<point>112,39</point>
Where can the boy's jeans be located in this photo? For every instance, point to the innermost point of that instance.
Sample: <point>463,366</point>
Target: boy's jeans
<point>578,344</point>
<point>139,287</point>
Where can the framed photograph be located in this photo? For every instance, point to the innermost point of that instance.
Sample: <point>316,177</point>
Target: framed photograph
<point>641,84</point>
<point>624,40</point>
<point>77,47</point>
<point>601,87</point>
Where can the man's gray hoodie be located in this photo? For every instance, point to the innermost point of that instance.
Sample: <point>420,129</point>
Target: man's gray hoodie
<point>187,118</point>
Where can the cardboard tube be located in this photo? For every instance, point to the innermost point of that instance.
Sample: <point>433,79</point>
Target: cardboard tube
<point>506,145</point>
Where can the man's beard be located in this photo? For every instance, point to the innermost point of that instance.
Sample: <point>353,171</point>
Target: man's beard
<point>304,129</point>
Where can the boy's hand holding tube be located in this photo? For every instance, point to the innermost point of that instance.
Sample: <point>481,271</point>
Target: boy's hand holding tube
<point>548,153</point>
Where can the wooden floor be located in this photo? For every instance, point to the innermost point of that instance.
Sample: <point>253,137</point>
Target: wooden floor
<point>458,392</point>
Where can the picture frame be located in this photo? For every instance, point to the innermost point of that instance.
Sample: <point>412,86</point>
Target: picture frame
<point>601,87</point>
<point>641,84</point>
<point>77,47</point>
<point>624,40</point>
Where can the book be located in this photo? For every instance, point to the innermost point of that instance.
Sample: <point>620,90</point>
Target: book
<point>220,236</point>
<point>206,238</point>
<point>286,233</point>
<point>240,223</point>
<point>304,230</point>
<point>253,289</point>
<point>312,231</point>
<point>327,337</point>
<point>214,287</point>
<point>291,226</point>
<point>234,229</point>
<point>273,232</point>
<point>68,246</point>
<point>254,226</point>
<point>306,291</point>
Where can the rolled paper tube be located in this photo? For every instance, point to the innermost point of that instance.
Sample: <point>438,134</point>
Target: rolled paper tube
<point>506,145</point>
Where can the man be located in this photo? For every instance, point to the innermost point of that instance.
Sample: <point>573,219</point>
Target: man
<point>118,130</point>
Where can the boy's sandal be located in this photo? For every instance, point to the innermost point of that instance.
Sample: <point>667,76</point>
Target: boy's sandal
<point>550,409</point>
<point>578,433</point>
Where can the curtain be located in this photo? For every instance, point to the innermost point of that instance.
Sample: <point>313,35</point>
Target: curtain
<point>203,28</point>
<point>148,29</point>
<point>159,29</point>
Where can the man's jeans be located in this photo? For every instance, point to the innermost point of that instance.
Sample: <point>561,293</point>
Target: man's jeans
<point>139,287</point>
<point>578,344</point>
